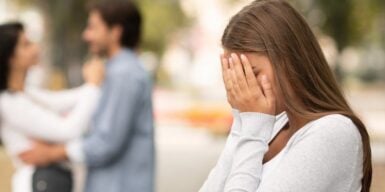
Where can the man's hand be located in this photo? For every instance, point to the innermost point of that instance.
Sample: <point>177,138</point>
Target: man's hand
<point>43,154</point>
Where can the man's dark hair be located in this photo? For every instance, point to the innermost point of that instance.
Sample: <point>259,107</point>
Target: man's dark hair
<point>125,14</point>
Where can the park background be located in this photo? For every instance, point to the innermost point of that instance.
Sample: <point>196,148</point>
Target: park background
<point>180,49</point>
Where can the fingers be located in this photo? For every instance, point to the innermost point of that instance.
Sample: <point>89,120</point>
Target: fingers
<point>228,77</point>
<point>267,90</point>
<point>245,91</point>
<point>240,74</point>
<point>250,77</point>
<point>225,63</point>
<point>26,157</point>
<point>225,73</point>
<point>236,89</point>
<point>30,158</point>
<point>23,155</point>
<point>39,142</point>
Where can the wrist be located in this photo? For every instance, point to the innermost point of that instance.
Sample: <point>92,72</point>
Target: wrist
<point>57,153</point>
<point>93,83</point>
<point>257,124</point>
<point>236,126</point>
<point>256,110</point>
<point>91,87</point>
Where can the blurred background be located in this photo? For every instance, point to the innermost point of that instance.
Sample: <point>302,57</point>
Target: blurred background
<point>181,47</point>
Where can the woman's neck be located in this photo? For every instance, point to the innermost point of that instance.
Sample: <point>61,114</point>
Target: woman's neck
<point>295,122</point>
<point>16,80</point>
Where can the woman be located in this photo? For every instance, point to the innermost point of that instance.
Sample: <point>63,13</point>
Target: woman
<point>31,114</point>
<point>293,129</point>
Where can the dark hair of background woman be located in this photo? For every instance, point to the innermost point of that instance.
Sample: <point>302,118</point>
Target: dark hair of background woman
<point>9,37</point>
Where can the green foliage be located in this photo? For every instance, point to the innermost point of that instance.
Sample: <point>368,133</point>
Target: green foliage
<point>349,21</point>
<point>162,18</point>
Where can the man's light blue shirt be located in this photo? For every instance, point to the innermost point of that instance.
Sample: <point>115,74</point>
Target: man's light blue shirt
<point>119,148</point>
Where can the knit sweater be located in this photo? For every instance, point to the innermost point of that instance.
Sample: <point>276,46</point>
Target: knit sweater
<point>325,155</point>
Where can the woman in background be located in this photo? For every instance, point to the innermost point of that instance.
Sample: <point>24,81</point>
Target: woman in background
<point>29,114</point>
<point>293,129</point>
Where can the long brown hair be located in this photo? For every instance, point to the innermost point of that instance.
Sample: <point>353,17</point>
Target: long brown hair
<point>275,28</point>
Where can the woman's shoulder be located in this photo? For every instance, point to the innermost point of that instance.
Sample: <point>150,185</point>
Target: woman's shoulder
<point>334,128</point>
<point>336,119</point>
<point>10,102</point>
<point>7,96</point>
<point>337,123</point>
<point>331,138</point>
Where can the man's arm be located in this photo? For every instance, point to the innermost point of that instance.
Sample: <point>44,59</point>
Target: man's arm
<point>44,154</point>
<point>58,101</point>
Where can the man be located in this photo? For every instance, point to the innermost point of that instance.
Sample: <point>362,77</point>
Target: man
<point>119,148</point>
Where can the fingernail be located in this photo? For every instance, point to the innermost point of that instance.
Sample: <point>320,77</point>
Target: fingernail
<point>243,57</point>
<point>233,55</point>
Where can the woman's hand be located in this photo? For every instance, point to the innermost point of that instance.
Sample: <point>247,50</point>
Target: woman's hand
<point>226,74</point>
<point>244,92</point>
<point>93,71</point>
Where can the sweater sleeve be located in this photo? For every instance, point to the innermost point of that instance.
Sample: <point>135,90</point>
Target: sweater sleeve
<point>58,101</point>
<point>40,123</point>
<point>218,175</point>
<point>246,169</point>
<point>327,157</point>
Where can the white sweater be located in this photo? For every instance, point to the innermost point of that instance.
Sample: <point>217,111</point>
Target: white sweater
<point>56,117</point>
<point>323,156</point>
